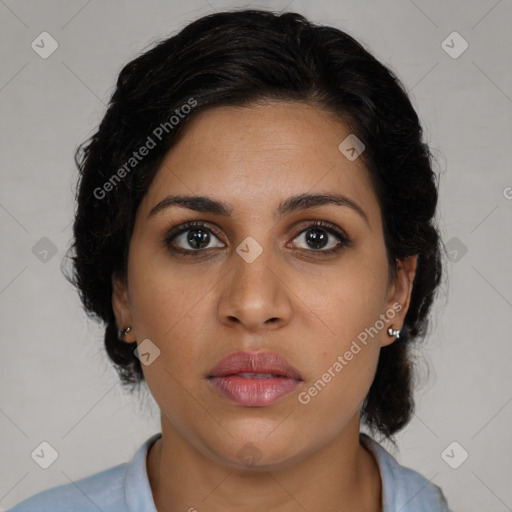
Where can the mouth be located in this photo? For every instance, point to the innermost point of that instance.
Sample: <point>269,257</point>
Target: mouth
<point>254,379</point>
<point>257,375</point>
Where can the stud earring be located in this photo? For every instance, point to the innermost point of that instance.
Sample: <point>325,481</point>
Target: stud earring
<point>392,332</point>
<point>124,332</point>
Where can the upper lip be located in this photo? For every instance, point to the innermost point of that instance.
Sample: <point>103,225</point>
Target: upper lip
<point>254,362</point>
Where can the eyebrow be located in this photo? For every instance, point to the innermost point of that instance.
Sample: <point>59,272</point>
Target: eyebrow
<point>206,204</point>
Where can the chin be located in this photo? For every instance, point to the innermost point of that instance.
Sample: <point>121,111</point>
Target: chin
<point>251,450</point>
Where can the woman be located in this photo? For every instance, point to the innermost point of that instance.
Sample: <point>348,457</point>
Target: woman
<point>255,227</point>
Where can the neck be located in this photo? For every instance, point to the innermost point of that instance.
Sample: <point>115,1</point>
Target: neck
<point>341,473</point>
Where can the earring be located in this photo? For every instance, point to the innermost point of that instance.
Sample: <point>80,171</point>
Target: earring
<point>124,332</point>
<point>392,332</point>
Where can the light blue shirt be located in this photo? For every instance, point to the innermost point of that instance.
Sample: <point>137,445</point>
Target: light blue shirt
<point>126,488</point>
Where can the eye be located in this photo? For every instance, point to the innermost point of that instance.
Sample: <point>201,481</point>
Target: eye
<point>196,237</point>
<point>191,237</point>
<point>319,234</point>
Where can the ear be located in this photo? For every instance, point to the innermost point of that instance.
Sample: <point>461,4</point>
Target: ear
<point>122,308</point>
<point>399,295</point>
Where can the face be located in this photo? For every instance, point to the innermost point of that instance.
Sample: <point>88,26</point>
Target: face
<point>261,279</point>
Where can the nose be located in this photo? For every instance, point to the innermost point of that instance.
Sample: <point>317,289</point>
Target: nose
<point>255,295</point>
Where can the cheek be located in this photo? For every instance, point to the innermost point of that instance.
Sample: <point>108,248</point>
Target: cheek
<point>340,380</point>
<point>173,317</point>
<point>170,309</point>
<point>165,305</point>
<point>164,293</point>
<point>344,358</point>
<point>347,298</point>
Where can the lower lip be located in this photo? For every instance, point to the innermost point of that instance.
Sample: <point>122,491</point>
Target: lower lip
<point>254,392</point>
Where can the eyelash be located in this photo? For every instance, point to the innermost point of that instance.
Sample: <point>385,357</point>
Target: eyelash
<point>188,226</point>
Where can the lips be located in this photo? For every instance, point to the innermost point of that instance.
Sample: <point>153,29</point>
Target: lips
<point>254,379</point>
<point>260,363</point>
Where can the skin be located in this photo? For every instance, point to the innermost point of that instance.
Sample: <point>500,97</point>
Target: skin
<point>198,309</point>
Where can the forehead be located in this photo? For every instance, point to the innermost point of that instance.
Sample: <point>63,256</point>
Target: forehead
<point>254,157</point>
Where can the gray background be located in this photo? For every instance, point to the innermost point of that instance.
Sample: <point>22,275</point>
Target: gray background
<point>57,385</point>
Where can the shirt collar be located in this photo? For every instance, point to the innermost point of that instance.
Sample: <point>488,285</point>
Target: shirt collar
<point>140,498</point>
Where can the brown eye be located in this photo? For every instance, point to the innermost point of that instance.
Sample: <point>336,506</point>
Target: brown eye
<point>323,237</point>
<point>191,237</point>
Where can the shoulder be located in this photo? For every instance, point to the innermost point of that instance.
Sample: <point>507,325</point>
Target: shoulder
<point>403,488</point>
<point>101,491</point>
<point>121,488</point>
